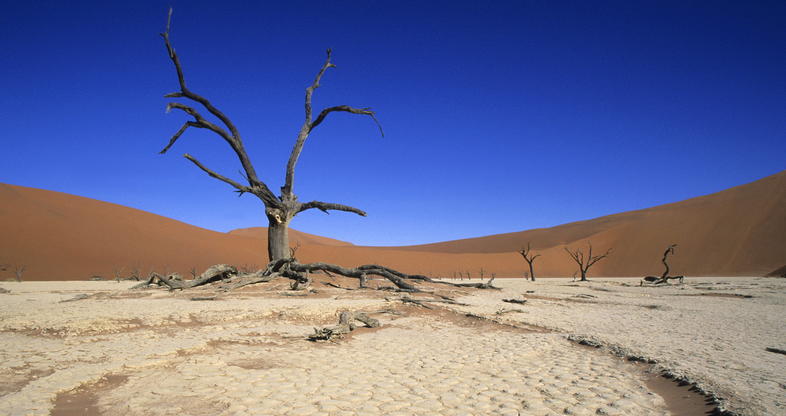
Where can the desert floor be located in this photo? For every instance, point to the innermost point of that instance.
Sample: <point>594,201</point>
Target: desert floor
<point>98,348</point>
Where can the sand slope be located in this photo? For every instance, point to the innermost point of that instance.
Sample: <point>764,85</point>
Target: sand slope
<point>295,237</point>
<point>739,231</point>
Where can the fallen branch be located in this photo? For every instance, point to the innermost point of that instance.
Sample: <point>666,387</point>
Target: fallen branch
<point>519,301</point>
<point>420,301</point>
<point>200,298</point>
<point>776,350</point>
<point>345,325</point>
<point>486,285</point>
<point>504,311</point>
<point>80,296</point>
<point>416,302</point>
<point>336,286</point>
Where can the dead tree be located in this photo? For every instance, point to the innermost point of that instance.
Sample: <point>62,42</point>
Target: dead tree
<point>19,271</point>
<point>585,262</point>
<point>529,258</point>
<point>664,278</point>
<point>134,272</point>
<point>117,272</point>
<point>279,209</point>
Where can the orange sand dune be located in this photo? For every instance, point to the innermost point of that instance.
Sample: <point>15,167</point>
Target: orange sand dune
<point>739,231</point>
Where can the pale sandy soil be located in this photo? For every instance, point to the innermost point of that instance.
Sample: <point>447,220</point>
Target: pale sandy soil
<point>119,352</point>
<point>712,331</point>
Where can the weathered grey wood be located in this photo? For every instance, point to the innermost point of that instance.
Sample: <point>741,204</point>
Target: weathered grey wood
<point>416,302</point>
<point>202,298</point>
<point>776,350</point>
<point>80,296</point>
<point>424,302</point>
<point>346,324</point>
<point>368,321</point>
<point>251,279</point>
<point>336,286</point>
<point>486,285</point>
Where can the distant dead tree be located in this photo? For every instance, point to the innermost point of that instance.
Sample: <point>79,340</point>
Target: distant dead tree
<point>585,262</point>
<point>19,271</point>
<point>664,278</point>
<point>134,271</point>
<point>117,272</point>
<point>279,209</point>
<point>293,250</point>
<point>193,272</point>
<point>529,258</point>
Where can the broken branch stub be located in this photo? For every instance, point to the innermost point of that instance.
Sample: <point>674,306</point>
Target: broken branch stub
<point>345,325</point>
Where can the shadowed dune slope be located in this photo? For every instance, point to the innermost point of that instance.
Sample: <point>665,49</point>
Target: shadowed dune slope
<point>739,231</point>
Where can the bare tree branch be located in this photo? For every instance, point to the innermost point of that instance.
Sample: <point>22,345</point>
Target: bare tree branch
<point>348,109</point>
<point>184,91</point>
<point>238,186</point>
<point>201,122</point>
<point>286,190</point>
<point>585,263</point>
<point>177,135</point>
<point>325,206</point>
<point>308,125</point>
<point>233,139</point>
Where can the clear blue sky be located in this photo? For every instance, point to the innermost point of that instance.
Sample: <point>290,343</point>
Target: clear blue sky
<point>499,116</point>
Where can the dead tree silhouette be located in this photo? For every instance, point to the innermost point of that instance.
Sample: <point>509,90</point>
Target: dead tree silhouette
<point>529,258</point>
<point>585,263</point>
<point>664,278</point>
<point>279,209</point>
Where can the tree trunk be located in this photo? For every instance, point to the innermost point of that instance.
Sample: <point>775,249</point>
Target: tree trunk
<point>531,272</point>
<point>277,239</point>
<point>583,275</point>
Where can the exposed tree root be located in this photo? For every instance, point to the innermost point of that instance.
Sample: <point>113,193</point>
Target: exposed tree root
<point>346,324</point>
<point>212,274</point>
<point>424,302</point>
<point>299,274</point>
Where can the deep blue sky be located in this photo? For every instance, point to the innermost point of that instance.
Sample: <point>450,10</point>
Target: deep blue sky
<point>499,117</point>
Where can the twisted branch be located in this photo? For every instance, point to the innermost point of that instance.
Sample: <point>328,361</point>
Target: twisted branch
<point>325,206</point>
